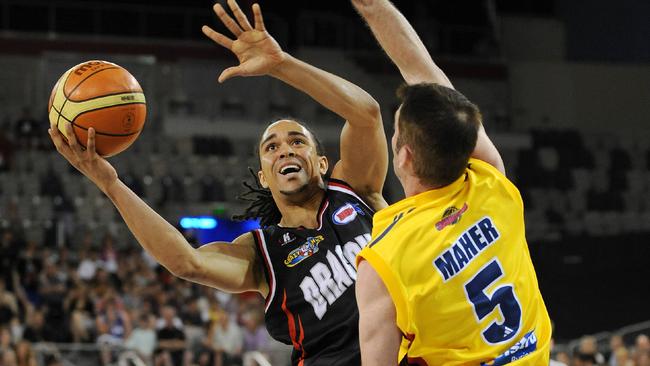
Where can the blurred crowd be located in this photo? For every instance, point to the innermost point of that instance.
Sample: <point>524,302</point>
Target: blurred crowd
<point>117,298</point>
<point>634,352</point>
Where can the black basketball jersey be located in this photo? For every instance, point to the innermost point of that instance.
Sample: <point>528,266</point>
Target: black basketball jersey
<point>311,274</point>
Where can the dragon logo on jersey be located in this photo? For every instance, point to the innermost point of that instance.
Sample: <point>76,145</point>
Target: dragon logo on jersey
<point>346,213</point>
<point>309,248</point>
<point>451,216</point>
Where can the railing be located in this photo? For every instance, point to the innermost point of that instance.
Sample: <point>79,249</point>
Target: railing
<point>602,338</point>
<point>81,354</point>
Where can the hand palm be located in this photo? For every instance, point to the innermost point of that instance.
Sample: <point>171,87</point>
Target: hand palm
<point>257,51</point>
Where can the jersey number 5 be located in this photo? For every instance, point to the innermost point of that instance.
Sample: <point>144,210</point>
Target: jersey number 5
<point>502,297</point>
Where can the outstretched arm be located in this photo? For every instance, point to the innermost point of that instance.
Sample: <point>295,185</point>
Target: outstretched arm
<point>229,267</point>
<point>400,41</point>
<point>364,153</point>
<point>402,44</point>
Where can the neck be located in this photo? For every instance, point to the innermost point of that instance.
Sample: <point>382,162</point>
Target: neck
<point>413,185</point>
<point>302,212</point>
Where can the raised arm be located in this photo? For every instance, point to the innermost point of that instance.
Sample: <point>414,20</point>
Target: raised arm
<point>364,152</point>
<point>399,40</point>
<point>402,44</point>
<point>229,267</point>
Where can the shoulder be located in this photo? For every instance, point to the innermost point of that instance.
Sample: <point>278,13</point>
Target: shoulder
<point>484,171</point>
<point>374,201</point>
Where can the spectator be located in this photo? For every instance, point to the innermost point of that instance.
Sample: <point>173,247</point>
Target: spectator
<point>143,338</point>
<point>8,357</point>
<point>113,326</point>
<point>6,340</point>
<point>104,285</point>
<point>642,343</point>
<point>641,349</point>
<point>194,324</point>
<point>36,330</point>
<point>113,323</point>
<point>615,343</point>
<point>8,304</point>
<point>52,290</point>
<point>29,267</point>
<point>227,341</point>
<point>621,357</point>
<point>588,346</point>
<point>256,337</point>
<point>25,355</point>
<point>563,358</point>
<point>171,339</point>
<point>109,255</point>
<point>52,286</point>
<point>88,265</point>
<point>643,359</point>
<point>583,359</point>
<point>78,306</point>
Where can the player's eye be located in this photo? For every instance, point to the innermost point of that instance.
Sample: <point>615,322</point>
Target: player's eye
<point>271,147</point>
<point>298,142</point>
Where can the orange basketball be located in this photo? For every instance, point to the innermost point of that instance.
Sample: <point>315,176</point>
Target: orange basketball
<point>101,95</point>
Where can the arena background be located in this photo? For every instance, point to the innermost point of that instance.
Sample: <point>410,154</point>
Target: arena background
<point>564,88</point>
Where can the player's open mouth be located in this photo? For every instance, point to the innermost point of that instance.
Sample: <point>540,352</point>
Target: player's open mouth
<point>290,168</point>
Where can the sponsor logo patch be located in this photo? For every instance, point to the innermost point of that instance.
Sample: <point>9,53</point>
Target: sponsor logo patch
<point>286,238</point>
<point>523,347</point>
<point>451,217</point>
<point>347,213</point>
<point>309,248</point>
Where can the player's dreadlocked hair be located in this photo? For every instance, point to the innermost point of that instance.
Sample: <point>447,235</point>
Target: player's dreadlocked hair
<point>261,204</point>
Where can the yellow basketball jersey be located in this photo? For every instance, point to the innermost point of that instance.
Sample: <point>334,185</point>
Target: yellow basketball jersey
<point>456,264</point>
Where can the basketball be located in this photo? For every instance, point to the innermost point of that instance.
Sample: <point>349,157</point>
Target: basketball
<point>101,95</point>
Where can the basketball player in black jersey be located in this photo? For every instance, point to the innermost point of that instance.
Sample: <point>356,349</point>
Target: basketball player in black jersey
<point>302,262</point>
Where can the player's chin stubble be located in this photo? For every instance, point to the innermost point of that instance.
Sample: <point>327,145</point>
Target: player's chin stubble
<point>300,189</point>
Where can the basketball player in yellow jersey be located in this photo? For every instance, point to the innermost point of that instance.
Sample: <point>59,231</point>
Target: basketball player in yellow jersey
<point>447,278</point>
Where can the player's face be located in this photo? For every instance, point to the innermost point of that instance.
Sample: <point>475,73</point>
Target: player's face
<point>289,160</point>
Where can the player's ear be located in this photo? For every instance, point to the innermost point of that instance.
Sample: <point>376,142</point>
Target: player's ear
<point>405,159</point>
<point>323,165</point>
<point>262,179</point>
